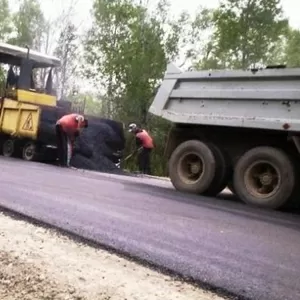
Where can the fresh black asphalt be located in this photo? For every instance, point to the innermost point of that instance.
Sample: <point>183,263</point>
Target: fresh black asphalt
<point>225,244</point>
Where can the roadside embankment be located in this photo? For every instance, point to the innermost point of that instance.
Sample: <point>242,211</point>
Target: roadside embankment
<point>39,264</point>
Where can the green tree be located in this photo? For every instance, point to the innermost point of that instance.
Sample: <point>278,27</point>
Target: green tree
<point>29,25</point>
<point>292,49</point>
<point>5,30</point>
<point>246,31</point>
<point>187,38</point>
<point>177,36</point>
<point>202,39</point>
<point>146,62</point>
<point>5,20</point>
<point>104,44</point>
<point>66,50</point>
<point>126,52</point>
<point>93,104</point>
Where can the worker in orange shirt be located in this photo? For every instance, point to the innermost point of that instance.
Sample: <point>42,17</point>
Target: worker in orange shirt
<point>145,143</point>
<point>67,129</point>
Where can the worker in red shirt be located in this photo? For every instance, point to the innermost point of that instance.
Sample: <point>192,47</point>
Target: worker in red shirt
<point>145,143</point>
<point>67,129</point>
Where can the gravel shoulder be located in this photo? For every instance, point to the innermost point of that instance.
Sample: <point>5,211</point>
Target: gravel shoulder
<point>37,263</point>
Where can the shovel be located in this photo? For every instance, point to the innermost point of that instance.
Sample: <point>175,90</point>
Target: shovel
<point>132,154</point>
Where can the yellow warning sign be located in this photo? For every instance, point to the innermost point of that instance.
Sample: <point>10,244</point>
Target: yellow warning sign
<point>28,125</point>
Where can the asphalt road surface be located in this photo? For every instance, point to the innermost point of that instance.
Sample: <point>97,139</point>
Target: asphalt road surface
<point>222,243</point>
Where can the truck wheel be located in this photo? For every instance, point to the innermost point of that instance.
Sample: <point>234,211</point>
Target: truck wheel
<point>29,152</point>
<point>8,148</point>
<point>222,173</point>
<point>264,177</point>
<point>192,167</point>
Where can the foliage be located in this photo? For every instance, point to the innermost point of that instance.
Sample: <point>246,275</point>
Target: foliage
<point>127,51</point>
<point>93,105</point>
<point>5,20</point>
<point>66,51</point>
<point>29,25</point>
<point>246,31</point>
<point>292,49</point>
<point>5,30</point>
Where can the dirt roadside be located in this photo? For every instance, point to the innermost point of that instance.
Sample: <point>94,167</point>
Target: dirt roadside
<point>39,264</point>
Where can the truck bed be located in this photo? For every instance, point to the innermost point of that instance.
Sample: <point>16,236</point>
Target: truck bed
<point>266,99</point>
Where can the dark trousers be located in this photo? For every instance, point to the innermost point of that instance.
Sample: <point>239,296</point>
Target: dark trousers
<point>63,146</point>
<point>144,161</point>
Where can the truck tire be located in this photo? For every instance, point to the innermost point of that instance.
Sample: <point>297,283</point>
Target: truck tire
<point>8,148</point>
<point>192,167</point>
<point>12,148</point>
<point>264,177</point>
<point>222,173</point>
<point>30,152</point>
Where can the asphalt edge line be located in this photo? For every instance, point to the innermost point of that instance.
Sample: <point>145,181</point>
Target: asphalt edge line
<point>122,254</point>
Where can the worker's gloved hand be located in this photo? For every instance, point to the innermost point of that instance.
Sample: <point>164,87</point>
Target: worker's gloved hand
<point>139,150</point>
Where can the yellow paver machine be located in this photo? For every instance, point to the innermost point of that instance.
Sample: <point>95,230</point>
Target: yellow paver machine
<point>27,96</point>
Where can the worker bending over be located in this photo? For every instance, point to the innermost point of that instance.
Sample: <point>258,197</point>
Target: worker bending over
<point>145,143</point>
<point>67,129</point>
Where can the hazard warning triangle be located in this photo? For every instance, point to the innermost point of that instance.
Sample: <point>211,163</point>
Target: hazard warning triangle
<point>28,124</point>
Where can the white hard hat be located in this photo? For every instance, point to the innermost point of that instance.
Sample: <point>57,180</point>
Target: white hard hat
<point>79,118</point>
<point>132,127</point>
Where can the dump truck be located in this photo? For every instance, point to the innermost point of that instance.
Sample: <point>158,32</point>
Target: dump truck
<point>236,128</point>
<point>25,107</point>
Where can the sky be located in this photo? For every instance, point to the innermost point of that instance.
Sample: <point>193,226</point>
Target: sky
<point>82,8</point>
